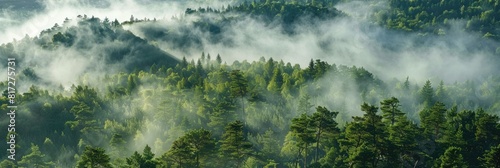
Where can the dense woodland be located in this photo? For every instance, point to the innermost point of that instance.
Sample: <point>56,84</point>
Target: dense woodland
<point>159,111</point>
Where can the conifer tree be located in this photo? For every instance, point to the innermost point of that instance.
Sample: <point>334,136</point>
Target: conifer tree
<point>234,146</point>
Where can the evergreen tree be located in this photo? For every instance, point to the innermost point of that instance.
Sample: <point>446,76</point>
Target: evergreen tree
<point>94,158</point>
<point>426,94</point>
<point>366,138</point>
<point>433,120</point>
<point>7,164</point>
<point>180,154</point>
<point>491,157</point>
<point>452,157</point>
<point>234,146</point>
<point>390,110</point>
<point>202,145</point>
<point>303,129</point>
<point>239,87</point>
<point>325,125</point>
<point>35,158</point>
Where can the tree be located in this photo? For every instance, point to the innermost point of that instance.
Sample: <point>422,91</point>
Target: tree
<point>35,158</point>
<point>304,105</point>
<point>148,155</point>
<point>325,125</point>
<point>270,145</point>
<point>238,87</point>
<point>426,94</point>
<point>234,145</point>
<point>201,144</point>
<point>441,93</point>
<point>180,153</point>
<point>136,160</point>
<point>276,81</point>
<point>491,157</point>
<point>218,59</point>
<point>452,157</point>
<point>487,129</point>
<point>433,120</point>
<point>403,137</point>
<point>146,160</point>
<point>7,164</point>
<point>365,138</point>
<point>94,158</point>
<point>131,84</point>
<point>303,128</point>
<point>390,110</point>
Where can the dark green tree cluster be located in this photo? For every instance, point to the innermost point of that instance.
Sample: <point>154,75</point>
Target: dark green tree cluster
<point>480,16</point>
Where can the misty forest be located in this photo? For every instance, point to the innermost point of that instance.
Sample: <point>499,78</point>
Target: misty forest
<point>253,84</point>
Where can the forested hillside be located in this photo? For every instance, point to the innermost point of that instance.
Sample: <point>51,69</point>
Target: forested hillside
<point>151,92</point>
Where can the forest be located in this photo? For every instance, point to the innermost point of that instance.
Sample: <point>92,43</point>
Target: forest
<point>145,93</point>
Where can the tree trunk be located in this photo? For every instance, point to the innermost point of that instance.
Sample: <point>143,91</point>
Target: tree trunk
<point>317,145</point>
<point>242,106</point>
<point>197,160</point>
<point>305,156</point>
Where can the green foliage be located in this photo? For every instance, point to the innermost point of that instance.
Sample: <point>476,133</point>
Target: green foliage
<point>452,157</point>
<point>234,146</point>
<point>35,159</point>
<point>94,157</point>
<point>183,107</point>
<point>421,15</point>
<point>490,157</point>
<point>433,120</point>
<point>146,160</point>
<point>390,110</point>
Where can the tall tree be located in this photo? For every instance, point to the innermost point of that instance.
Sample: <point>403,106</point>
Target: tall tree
<point>201,143</point>
<point>147,153</point>
<point>452,157</point>
<point>433,120</point>
<point>325,125</point>
<point>303,128</point>
<point>234,145</point>
<point>366,138</point>
<point>491,158</point>
<point>403,136</point>
<point>94,158</point>
<point>390,110</point>
<point>180,153</point>
<point>426,94</point>
<point>35,158</point>
<point>238,87</point>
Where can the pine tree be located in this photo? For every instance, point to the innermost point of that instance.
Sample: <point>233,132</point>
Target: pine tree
<point>325,125</point>
<point>180,154</point>
<point>94,157</point>
<point>35,158</point>
<point>491,158</point>
<point>238,87</point>
<point>427,94</point>
<point>303,128</point>
<point>366,138</point>
<point>276,81</point>
<point>234,146</point>
<point>452,157</point>
<point>433,120</point>
<point>148,156</point>
<point>390,110</point>
<point>403,136</point>
<point>202,145</point>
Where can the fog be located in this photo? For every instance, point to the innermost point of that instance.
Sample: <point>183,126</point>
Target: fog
<point>351,40</point>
